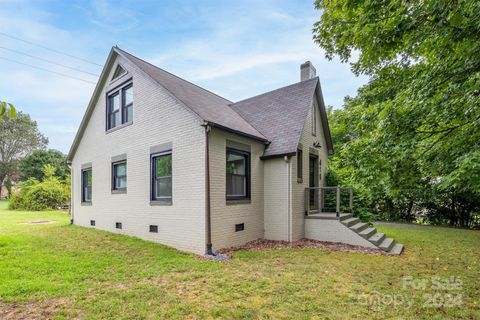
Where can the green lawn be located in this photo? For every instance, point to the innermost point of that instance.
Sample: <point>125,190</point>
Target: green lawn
<point>62,271</point>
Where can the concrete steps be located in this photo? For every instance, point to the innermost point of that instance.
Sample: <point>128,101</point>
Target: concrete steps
<point>367,233</point>
<point>379,240</point>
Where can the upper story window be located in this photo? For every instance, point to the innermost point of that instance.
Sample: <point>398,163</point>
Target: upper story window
<point>314,119</point>
<point>120,106</point>
<point>238,174</point>
<point>87,185</point>
<point>299,166</point>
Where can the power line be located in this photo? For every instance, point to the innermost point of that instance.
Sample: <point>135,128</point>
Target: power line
<point>49,61</point>
<point>47,70</point>
<point>50,49</point>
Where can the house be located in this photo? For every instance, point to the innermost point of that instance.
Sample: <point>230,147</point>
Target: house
<point>163,159</point>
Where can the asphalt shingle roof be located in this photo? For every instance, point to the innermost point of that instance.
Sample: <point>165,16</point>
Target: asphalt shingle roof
<point>276,117</point>
<point>280,115</point>
<point>207,105</point>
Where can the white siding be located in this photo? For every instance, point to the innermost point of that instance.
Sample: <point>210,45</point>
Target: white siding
<point>225,216</point>
<point>307,140</point>
<point>276,199</point>
<point>158,118</point>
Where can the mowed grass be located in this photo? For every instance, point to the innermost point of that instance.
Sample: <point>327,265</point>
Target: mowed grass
<point>62,271</point>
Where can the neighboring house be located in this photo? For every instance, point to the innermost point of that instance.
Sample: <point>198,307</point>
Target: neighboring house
<point>165,160</point>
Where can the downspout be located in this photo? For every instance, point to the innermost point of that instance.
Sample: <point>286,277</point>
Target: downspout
<point>207,190</point>
<point>71,192</point>
<point>289,218</point>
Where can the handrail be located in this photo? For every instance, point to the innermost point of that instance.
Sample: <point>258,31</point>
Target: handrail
<point>315,199</point>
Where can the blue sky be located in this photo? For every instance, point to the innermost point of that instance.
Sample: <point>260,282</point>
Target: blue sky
<point>234,48</point>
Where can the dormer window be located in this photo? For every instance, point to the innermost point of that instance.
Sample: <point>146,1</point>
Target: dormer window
<point>120,106</point>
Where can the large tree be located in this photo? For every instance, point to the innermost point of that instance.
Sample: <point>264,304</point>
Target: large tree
<point>413,132</point>
<point>18,137</point>
<point>33,165</point>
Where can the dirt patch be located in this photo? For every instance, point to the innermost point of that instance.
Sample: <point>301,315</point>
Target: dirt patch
<point>35,310</point>
<point>304,243</point>
<point>39,222</point>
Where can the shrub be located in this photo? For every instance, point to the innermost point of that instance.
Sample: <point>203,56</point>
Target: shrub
<point>51,193</point>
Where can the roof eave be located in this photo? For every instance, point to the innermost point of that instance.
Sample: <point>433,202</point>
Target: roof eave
<point>219,126</point>
<point>324,119</point>
<point>279,155</point>
<point>91,105</point>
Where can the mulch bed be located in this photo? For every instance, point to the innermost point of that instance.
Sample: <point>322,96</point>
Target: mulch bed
<point>262,244</point>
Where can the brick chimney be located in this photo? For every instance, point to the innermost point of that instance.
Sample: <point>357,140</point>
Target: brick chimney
<point>307,71</point>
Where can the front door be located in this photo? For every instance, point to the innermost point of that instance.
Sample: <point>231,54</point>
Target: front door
<point>313,181</point>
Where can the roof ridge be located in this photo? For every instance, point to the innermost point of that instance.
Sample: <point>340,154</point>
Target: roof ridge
<point>196,85</point>
<point>268,92</point>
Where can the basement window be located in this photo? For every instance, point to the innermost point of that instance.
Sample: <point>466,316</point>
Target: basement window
<point>153,229</point>
<point>118,225</point>
<point>239,227</point>
<point>92,223</point>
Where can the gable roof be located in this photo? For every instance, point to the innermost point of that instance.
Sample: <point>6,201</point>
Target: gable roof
<point>280,115</point>
<point>207,105</point>
<point>276,117</point>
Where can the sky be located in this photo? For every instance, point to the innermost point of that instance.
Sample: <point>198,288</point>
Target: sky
<point>236,49</point>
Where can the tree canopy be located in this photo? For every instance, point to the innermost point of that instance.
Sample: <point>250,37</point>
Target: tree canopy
<point>411,136</point>
<point>18,137</point>
<point>33,165</point>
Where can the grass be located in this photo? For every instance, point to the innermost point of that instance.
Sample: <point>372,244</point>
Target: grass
<point>62,271</point>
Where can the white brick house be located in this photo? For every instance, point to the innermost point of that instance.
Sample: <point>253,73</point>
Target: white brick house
<point>160,158</point>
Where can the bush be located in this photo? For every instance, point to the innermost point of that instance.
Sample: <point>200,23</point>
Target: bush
<point>51,193</point>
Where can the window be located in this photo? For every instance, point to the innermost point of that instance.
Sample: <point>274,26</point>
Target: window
<point>299,166</point>
<point>119,176</point>
<point>153,229</point>
<point>120,106</point>
<point>239,227</point>
<point>314,119</point>
<point>92,223</point>
<point>118,225</point>
<point>238,174</point>
<point>162,176</point>
<point>87,185</point>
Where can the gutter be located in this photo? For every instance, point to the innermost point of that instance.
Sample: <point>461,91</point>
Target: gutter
<point>208,217</point>
<point>215,125</point>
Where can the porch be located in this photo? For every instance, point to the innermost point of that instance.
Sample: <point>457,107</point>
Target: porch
<point>328,202</point>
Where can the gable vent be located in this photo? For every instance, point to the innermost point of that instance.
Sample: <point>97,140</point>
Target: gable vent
<point>119,71</point>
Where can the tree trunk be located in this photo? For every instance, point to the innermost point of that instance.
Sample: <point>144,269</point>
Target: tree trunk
<point>2,178</point>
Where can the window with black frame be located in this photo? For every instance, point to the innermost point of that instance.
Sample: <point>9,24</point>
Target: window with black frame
<point>162,177</point>
<point>87,185</point>
<point>120,106</point>
<point>119,176</point>
<point>238,174</point>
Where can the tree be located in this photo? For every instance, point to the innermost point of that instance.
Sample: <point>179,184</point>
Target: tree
<point>18,137</point>
<point>412,133</point>
<point>32,166</point>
